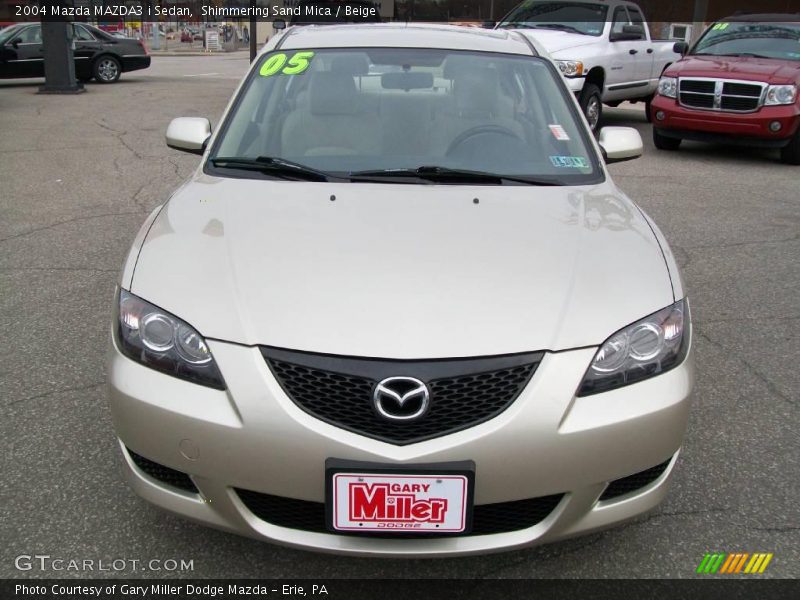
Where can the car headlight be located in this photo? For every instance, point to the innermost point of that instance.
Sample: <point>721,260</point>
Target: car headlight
<point>644,349</point>
<point>161,341</point>
<point>781,94</point>
<point>570,68</point>
<point>668,86</point>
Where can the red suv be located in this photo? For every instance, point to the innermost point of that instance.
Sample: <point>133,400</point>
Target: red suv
<point>737,85</point>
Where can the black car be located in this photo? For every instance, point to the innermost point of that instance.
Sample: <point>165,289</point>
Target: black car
<point>98,55</point>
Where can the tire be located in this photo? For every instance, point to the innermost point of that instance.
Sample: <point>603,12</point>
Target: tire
<point>647,113</point>
<point>106,69</point>
<point>591,103</point>
<point>791,154</point>
<point>663,142</point>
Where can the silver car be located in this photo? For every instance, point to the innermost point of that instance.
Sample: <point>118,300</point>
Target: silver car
<point>401,308</point>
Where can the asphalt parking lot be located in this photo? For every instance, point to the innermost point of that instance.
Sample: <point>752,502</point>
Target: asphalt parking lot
<point>78,175</point>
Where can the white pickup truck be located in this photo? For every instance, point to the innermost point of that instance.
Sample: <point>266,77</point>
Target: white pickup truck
<point>604,49</point>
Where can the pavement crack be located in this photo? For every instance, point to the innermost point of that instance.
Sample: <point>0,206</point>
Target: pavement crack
<point>753,370</point>
<point>119,134</point>
<point>701,322</point>
<point>59,223</point>
<point>86,269</point>
<point>793,238</point>
<point>59,391</point>
<point>786,529</point>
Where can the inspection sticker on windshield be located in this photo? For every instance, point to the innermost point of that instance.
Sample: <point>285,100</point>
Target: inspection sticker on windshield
<point>559,132</point>
<point>574,162</point>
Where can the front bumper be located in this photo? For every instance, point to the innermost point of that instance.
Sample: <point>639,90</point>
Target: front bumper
<point>253,437</point>
<point>710,125</point>
<point>576,84</point>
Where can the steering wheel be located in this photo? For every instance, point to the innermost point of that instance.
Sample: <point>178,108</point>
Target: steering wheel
<point>472,132</point>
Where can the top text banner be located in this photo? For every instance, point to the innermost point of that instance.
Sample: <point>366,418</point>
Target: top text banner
<point>473,12</point>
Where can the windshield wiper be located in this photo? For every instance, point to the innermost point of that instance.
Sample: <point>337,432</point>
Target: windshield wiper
<point>559,26</point>
<point>277,167</point>
<point>446,175</point>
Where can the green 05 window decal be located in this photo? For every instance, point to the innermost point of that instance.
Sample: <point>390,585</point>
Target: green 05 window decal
<point>281,63</point>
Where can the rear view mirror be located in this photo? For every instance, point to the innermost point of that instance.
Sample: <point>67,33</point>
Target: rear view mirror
<point>407,81</point>
<point>189,134</point>
<point>680,48</point>
<point>620,143</point>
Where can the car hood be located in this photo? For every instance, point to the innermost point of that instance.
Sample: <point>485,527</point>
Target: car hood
<point>402,271</point>
<point>556,41</point>
<point>733,67</point>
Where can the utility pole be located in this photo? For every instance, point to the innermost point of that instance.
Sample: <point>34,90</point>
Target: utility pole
<point>156,37</point>
<point>59,63</point>
<point>699,17</point>
<point>253,31</point>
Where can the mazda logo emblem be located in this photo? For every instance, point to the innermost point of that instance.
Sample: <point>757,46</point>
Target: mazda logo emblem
<point>401,398</point>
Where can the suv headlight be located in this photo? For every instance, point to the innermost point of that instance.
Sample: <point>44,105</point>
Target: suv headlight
<point>668,86</point>
<point>161,341</point>
<point>780,94</point>
<point>644,349</point>
<point>570,68</point>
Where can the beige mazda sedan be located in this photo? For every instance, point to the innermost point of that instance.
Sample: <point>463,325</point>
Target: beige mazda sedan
<point>400,308</point>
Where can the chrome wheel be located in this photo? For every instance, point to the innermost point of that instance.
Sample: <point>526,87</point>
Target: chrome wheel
<point>593,112</point>
<point>107,70</point>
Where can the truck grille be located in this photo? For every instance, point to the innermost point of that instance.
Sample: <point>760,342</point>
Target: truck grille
<point>720,94</point>
<point>339,390</point>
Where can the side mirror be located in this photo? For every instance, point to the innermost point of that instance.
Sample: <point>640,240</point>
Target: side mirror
<point>16,42</point>
<point>680,48</point>
<point>189,134</point>
<point>488,24</point>
<point>620,143</point>
<point>279,24</point>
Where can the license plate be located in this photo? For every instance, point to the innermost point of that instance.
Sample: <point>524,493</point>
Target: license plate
<point>399,502</point>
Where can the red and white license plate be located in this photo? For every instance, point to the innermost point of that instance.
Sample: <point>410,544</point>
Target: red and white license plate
<point>399,502</point>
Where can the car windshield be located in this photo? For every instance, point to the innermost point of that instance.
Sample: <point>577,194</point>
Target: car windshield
<point>7,33</point>
<point>381,112</point>
<point>766,40</point>
<point>577,17</point>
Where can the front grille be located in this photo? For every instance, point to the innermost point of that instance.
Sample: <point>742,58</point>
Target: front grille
<point>463,392</point>
<point>486,518</point>
<point>720,95</point>
<point>163,474</point>
<point>620,487</point>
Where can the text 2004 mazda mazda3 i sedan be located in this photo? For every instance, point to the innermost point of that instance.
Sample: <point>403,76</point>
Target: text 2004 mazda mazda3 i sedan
<point>401,308</point>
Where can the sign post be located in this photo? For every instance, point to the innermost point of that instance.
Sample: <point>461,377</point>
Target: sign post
<point>59,63</point>
<point>253,31</point>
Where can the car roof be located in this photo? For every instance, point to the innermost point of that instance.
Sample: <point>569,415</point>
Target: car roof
<point>405,35</point>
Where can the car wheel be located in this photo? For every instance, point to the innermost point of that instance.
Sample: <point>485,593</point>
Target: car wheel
<point>647,104</point>
<point>790,154</point>
<point>107,69</point>
<point>592,105</point>
<point>663,142</point>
